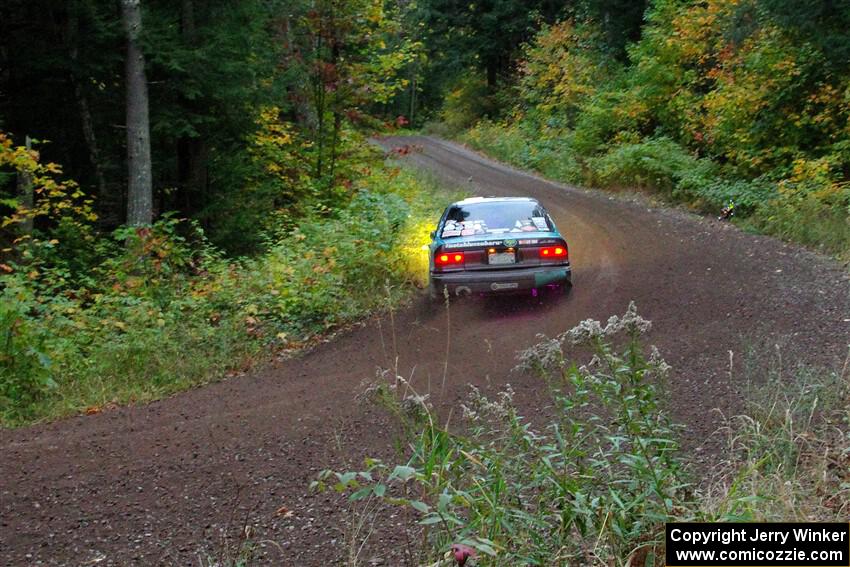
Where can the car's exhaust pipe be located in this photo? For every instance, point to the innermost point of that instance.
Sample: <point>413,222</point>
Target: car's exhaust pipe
<point>462,291</point>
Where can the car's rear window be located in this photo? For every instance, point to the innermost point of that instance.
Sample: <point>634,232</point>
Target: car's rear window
<point>495,217</point>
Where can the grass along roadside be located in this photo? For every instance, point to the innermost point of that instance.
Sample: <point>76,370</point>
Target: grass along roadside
<point>803,208</point>
<point>595,484</point>
<point>167,311</point>
<point>788,455</point>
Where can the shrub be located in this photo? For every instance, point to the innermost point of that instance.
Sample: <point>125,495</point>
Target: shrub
<point>714,191</point>
<point>812,205</point>
<point>150,295</point>
<point>500,140</point>
<point>656,163</point>
<point>596,484</point>
<point>25,369</point>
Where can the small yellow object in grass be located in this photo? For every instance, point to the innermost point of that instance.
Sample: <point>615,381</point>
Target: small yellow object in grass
<point>471,458</point>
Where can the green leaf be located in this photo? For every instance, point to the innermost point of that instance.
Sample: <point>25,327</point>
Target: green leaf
<point>420,506</point>
<point>445,500</point>
<point>481,544</point>
<point>346,478</point>
<point>403,473</point>
<point>360,494</point>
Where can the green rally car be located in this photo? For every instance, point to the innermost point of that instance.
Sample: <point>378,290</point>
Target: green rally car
<point>487,245</point>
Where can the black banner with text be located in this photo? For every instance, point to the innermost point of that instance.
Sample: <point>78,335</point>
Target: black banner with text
<point>758,544</point>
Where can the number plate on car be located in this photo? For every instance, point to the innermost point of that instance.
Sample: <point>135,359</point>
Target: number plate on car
<point>502,258</point>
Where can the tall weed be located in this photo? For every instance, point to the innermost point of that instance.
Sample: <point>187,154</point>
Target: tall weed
<point>787,457</point>
<point>594,485</point>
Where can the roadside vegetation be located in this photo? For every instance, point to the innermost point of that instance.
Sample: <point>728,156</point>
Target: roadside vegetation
<point>221,186</point>
<point>91,320</point>
<point>697,103</point>
<point>216,199</point>
<point>595,482</point>
<point>188,188</point>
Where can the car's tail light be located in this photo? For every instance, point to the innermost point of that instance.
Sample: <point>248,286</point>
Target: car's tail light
<point>554,253</point>
<point>449,258</point>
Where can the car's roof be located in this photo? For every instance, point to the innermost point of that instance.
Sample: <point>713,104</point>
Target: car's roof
<point>473,200</point>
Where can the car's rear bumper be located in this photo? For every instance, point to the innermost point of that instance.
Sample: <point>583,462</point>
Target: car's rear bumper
<point>493,281</point>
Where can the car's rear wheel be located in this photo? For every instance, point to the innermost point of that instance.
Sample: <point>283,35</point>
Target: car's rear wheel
<point>433,299</point>
<point>434,294</point>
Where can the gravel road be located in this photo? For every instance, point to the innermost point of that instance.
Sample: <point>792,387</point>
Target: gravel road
<point>172,481</point>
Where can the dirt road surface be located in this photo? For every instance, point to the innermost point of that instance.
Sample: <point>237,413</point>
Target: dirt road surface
<point>159,484</point>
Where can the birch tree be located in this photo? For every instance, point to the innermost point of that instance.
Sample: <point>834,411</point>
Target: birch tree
<point>140,183</point>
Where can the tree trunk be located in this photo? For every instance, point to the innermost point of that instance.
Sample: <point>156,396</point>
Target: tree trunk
<point>191,150</point>
<point>412,99</point>
<point>140,182</point>
<point>83,105</point>
<point>187,19</point>
<point>319,102</point>
<point>299,95</point>
<point>492,73</point>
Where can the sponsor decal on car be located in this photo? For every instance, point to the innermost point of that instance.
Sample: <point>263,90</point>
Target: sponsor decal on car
<point>509,242</point>
<point>540,223</point>
<point>473,244</point>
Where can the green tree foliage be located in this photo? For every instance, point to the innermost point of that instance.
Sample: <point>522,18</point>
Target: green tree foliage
<point>212,68</point>
<point>470,43</point>
<point>620,22</point>
<point>269,205</point>
<point>353,57</point>
<point>718,100</point>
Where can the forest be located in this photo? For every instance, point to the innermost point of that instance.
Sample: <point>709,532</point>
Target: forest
<point>152,151</point>
<point>701,103</point>
<point>170,171</point>
<point>191,177</point>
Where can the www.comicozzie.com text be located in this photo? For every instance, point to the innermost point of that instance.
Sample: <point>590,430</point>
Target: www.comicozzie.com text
<point>758,534</point>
